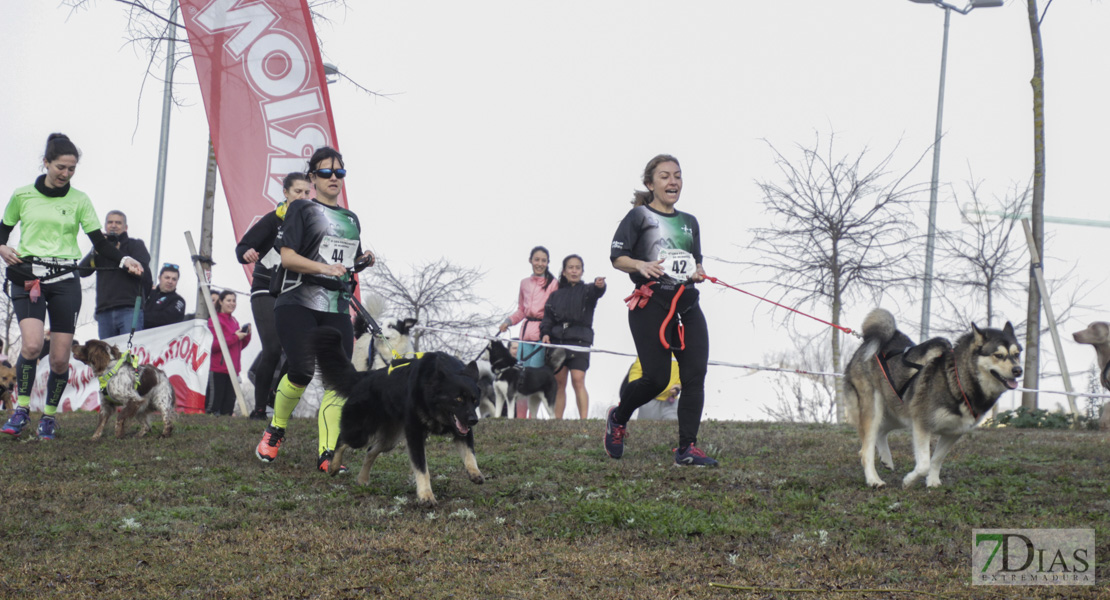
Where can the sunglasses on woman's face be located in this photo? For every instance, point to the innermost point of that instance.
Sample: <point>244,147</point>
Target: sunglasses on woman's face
<point>327,173</point>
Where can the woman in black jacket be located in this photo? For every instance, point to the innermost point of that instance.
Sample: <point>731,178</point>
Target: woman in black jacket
<point>568,318</point>
<point>257,246</point>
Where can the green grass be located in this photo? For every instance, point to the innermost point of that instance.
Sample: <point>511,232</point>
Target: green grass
<point>198,516</point>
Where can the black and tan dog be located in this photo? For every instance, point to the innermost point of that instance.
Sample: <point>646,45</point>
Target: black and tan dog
<point>933,388</point>
<point>7,387</point>
<point>433,394</point>
<point>141,391</point>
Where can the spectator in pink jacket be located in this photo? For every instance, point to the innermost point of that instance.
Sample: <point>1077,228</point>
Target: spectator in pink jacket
<point>534,292</point>
<point>221,399</point>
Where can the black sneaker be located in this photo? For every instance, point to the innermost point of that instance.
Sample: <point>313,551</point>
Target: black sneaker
<point>614,436</point>
<point>693,457</point>
<point>258,415</point>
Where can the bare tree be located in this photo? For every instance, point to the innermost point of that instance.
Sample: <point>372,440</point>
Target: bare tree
<point>1033,309</point>
<point>839,231</point>
<point>439,295</point>
<point>801,397</point>
<point>986,258</point>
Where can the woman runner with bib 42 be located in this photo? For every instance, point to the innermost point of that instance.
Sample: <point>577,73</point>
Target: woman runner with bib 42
<point>41,277</point>
<point>319,246</point>
<point>660,248</point>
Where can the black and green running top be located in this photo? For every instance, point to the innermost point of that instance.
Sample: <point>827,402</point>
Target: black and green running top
<point>650,235</point>
<point>48,226</point>
<point>325,234</point>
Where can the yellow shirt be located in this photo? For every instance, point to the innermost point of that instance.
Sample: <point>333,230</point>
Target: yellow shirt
<point>636,371</point>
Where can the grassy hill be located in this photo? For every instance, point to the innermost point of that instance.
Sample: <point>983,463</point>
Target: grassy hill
<point>198,516</point>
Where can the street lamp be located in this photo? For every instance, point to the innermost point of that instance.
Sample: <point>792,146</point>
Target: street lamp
<point>930,239</point>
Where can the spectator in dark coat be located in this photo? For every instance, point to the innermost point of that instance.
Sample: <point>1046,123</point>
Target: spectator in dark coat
<point>568,318</point>
<point>117,289</point>
<point>164,306</point>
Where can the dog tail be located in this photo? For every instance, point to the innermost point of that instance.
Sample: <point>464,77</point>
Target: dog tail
<point>335,367</point>
<point>878,328</point>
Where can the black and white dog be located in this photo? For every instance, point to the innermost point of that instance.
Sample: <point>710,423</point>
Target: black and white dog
<point>512,381</point>
<point>375,353</point>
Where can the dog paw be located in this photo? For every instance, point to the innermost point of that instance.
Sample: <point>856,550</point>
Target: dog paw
<point>889,465</point>
<point>477,478</point>
<point>910,479</point>
<point>932,482</point>
<point>429,502</point>
<point>878,483</point>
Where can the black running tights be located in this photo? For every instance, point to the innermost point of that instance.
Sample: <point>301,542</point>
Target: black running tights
<point>656,362</point>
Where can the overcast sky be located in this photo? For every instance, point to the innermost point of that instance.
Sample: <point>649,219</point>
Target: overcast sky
<point>513,124</point>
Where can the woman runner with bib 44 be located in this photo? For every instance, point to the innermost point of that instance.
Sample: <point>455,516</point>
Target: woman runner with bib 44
<point>319,246</point>
<point>660,248</point>
<point>41,277</point>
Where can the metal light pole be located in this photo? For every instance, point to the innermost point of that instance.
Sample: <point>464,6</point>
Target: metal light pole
<point>163,148</point>
<point>930,238</point>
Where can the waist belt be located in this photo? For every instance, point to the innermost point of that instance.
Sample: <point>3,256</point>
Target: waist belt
<point>639,299</point>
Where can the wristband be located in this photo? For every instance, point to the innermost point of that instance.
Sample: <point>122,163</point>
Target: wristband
<point>123,262</point>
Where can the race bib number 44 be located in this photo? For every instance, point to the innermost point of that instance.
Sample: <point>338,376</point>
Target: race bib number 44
<point>678,264</point>
<point>338,251</point>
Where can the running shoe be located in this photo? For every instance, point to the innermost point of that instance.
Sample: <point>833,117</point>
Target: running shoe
<point>258,415</point>
<point>692,457</point>
<point>46,427</point>
<point>614,435</point>
<point>324,462</point>
<point>17,422</point>
<point>267,449</point>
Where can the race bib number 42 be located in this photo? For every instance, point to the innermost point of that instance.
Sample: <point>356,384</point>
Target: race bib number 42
<point>338,251</point>
<point>678,264</point>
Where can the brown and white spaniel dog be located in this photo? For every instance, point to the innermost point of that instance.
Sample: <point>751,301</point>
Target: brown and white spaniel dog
<point>141,391</point>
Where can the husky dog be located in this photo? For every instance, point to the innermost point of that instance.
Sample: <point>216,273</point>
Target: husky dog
<point>141,391</point>
<point>375,353</point>
<point>434,393</point>
<point>514,380</point>
<point>933,388</point>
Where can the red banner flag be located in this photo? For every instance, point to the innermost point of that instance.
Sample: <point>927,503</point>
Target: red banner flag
<point>265,93</point>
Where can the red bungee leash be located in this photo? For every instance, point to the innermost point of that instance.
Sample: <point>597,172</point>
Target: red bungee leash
<point>844,329</point>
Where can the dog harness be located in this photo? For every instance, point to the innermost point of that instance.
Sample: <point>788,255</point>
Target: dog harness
<point>884,368</point>
<point>967,402</point>
<point>402,360</point>
<point>110,373</point>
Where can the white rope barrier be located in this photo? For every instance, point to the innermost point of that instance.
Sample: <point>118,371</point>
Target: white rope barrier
<point>716,363</point>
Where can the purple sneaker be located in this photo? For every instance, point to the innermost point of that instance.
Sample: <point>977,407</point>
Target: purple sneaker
<point>17,422</point>
<point>46,427</point>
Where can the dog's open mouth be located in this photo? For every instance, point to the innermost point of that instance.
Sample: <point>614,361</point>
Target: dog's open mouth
<point>1009,383</point>
<point>460,427</point>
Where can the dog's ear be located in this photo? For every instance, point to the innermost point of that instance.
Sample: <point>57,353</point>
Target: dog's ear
<point>471,370</point>
<point>978,334</point>
<point>80,354</point>
<point>1008,330</point>
<point>115,353</point>
<point>406,325</point>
